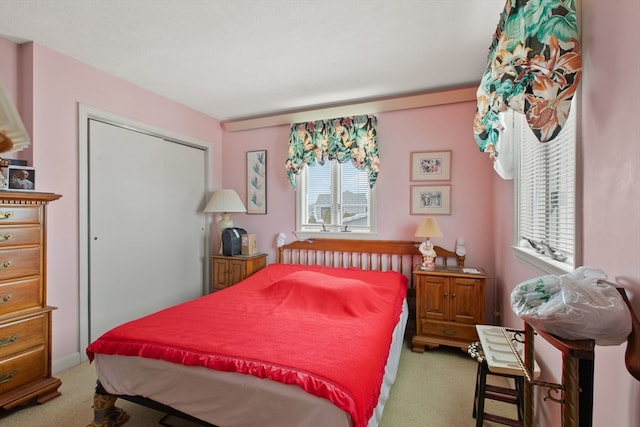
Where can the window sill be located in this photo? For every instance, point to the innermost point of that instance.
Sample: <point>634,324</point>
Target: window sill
<point>543,264</point>
<point>355,235</point>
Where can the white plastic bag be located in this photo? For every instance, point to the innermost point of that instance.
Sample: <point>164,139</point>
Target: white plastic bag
<point>574,306</point>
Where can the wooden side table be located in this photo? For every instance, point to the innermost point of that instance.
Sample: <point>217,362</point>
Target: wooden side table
<point>449,303</point>
<point>229,270</point>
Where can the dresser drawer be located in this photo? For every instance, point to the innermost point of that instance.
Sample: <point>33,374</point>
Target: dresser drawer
<point>22,335</point>
<point>449,330</point>
<point>19,262</point>
<point>23,369</point>
<point>19,214</point>
<point>20,295</point>
<point>20,235</point>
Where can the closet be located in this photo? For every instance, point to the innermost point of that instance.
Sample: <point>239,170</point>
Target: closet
<point>146,229</point>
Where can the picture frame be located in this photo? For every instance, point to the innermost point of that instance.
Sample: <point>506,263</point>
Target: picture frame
<point>430,200</point>
<point>431,165</point>
<point>257,182</point>
<point>21,178</point>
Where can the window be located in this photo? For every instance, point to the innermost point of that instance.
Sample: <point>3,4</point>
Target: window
<point>334,198</point>
<point>546,197</point>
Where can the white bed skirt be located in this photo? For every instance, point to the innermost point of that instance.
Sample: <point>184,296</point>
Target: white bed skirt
<point>230,399</point>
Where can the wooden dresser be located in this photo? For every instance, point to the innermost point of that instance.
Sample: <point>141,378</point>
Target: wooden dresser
<point>229,270</point>
<point>449,303</point>
<point>25,317</point>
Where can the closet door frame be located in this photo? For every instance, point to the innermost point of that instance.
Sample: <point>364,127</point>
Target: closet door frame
<point>86,113</point>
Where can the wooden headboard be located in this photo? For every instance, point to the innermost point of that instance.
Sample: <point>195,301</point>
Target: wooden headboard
<point>396,255</point>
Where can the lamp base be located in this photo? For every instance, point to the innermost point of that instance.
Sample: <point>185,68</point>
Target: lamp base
<point>225,222</point>
<point>428,255</point>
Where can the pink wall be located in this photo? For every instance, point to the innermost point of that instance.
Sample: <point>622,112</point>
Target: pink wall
<point>482,209</point>
<point>399,133</point>
<point>611,200</point>
<point>59,84</point>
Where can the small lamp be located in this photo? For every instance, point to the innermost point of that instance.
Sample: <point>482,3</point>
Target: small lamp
<point>224,201</point>
<point>428,228</point>
<point>13,135</point>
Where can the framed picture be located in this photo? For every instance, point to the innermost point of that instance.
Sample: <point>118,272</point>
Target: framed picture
<point>257,182</point>
<point>430,199</point>
<point>22,178</point>
<point>431,165</point>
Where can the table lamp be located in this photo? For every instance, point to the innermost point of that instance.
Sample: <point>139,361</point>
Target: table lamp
<point>428,228</point>
<point>224,201</point>
<point>13,135</point>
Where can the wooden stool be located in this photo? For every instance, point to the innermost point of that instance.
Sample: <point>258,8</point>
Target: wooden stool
<point>487,391</point>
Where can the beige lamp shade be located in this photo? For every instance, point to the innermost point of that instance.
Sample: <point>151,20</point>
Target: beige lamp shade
<point>428,228</point>
<point>224,201</point>
<point>13,135</point>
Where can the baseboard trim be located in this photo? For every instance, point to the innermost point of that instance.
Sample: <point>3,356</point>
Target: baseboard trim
<point>66,363</point>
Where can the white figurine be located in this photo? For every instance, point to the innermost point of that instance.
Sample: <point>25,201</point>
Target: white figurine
<point>281,239</point>
<point>461,250</point>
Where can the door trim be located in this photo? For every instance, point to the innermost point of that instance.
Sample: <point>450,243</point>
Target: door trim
<point>86,113</point>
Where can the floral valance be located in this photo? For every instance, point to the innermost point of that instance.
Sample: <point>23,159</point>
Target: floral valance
<point>346,138</point>
<point>534,68</point>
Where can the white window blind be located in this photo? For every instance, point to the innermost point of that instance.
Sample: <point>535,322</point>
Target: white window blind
<point>334,197</point>
<point>547,195</point>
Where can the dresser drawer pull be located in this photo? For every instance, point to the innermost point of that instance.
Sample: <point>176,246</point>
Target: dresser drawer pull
<point>5,298</point>
<point>9,340</point>
<point>8,377</point>
<point>6,215</point>
<point>449,331</point>
<point>5,265</point>
<point>5,237</point>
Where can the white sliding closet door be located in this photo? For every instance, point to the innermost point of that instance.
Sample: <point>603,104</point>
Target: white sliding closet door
<point>146,228</point>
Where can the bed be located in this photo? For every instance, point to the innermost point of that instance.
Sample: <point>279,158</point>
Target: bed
<point>312,340</point>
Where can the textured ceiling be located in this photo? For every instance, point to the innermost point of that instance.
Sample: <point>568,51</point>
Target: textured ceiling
<point>235,59</point>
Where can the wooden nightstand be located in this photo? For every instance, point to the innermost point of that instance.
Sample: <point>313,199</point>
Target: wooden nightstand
<point>229,270</point>
<point>449,303</point>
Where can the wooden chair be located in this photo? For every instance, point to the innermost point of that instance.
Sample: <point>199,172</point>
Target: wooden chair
<point>632,354</point>
<point>444,256</point>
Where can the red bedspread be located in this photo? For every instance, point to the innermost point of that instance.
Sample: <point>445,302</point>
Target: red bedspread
<point>326,330</point>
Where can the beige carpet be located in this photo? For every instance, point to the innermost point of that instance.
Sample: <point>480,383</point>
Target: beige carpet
<point>433,389</point>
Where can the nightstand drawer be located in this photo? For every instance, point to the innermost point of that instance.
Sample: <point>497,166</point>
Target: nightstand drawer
<point>19,262</point>
<point>449,330</point>
<point>22,335</point>
<point>20,295</point>
<point>22,369</point>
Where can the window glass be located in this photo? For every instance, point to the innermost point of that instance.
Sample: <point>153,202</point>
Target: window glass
<point>334,197</point>
<point>546,197</point>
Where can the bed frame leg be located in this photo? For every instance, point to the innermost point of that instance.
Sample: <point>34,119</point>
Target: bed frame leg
<point>105,413</point>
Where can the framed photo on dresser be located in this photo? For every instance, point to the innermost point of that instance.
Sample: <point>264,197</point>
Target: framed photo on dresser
<point>21,178</point>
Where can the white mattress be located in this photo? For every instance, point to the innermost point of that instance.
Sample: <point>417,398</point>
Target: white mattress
<point>229,399</point>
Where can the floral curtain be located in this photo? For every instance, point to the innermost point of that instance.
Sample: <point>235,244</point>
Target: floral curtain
<point>534,68</point>
<point>347,138</point>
